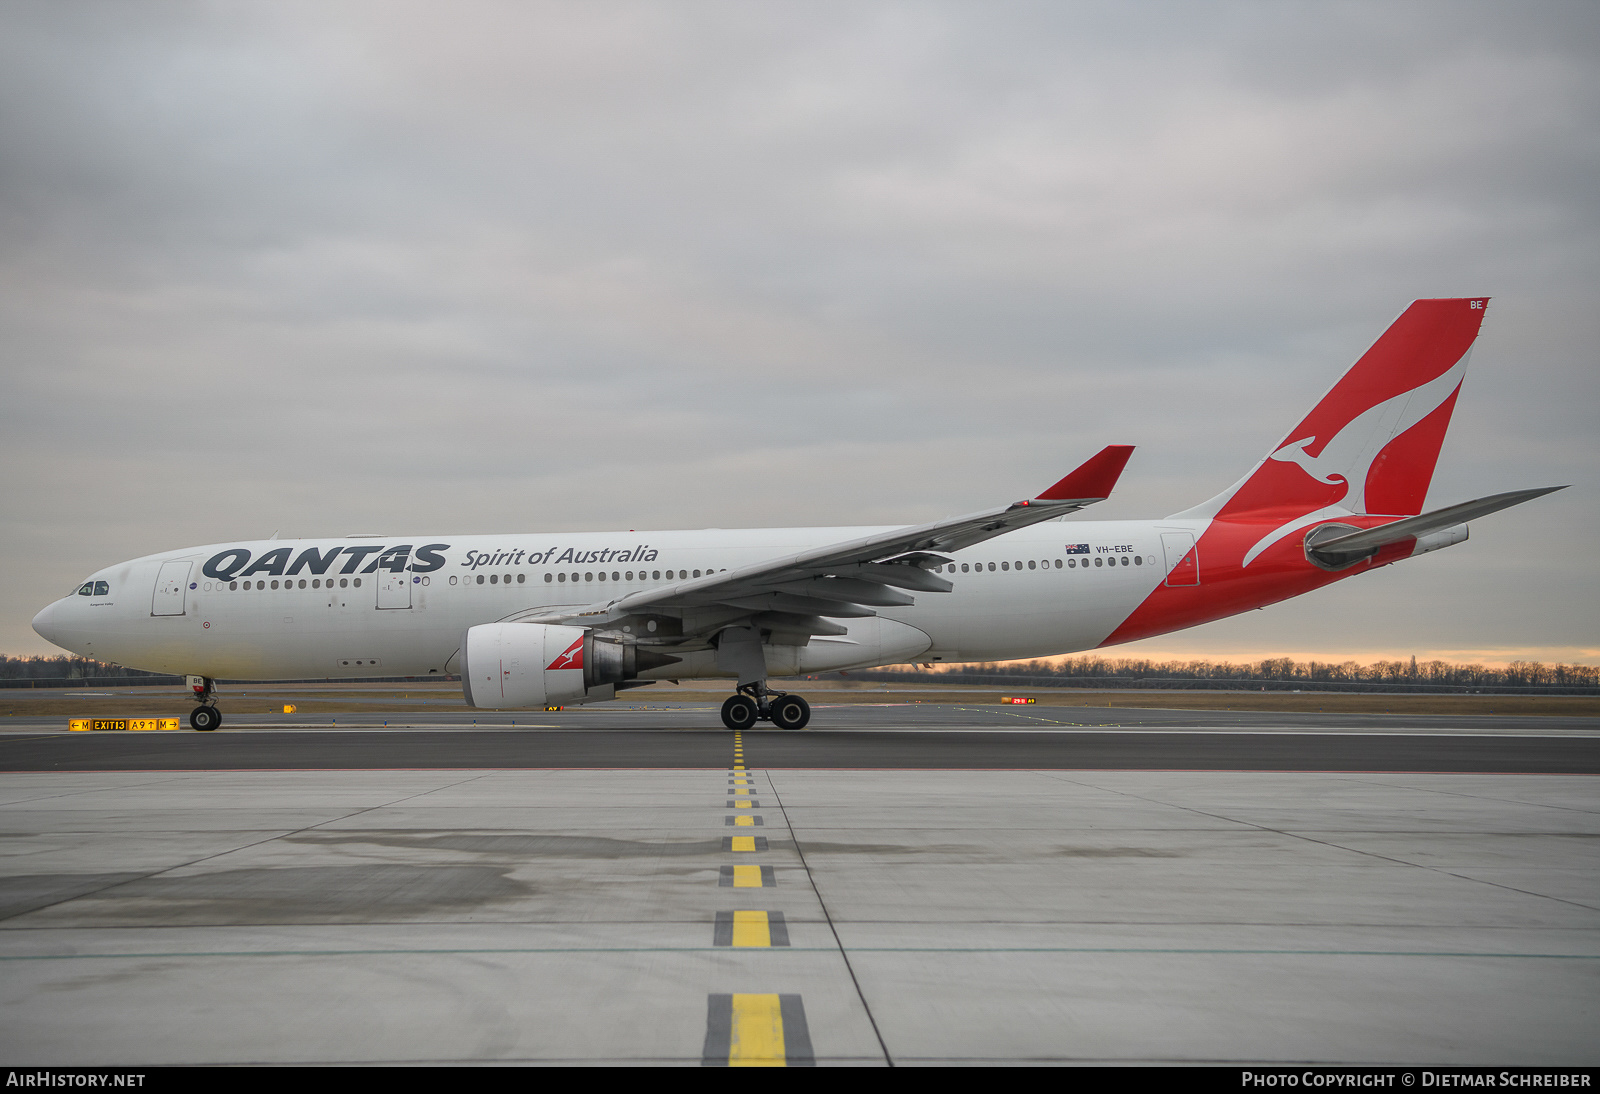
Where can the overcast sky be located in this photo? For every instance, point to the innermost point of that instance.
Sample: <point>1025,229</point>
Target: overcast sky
<point>338,267</point>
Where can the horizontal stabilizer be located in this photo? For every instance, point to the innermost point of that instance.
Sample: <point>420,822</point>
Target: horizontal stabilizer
<point>1373,538</point>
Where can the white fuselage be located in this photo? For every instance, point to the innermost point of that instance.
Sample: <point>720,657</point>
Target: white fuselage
<point>375,611</point>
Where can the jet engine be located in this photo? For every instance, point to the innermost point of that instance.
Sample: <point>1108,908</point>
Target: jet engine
<point>511,665</point>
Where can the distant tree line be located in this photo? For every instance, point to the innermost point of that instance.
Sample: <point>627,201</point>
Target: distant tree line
<point>62,667</point>
<point>1273,674</point>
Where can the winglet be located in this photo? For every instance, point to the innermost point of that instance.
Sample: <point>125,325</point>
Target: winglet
<point>1095,478</point>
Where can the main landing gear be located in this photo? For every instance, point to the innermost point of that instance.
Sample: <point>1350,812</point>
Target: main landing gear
<point>754,703</point>
<point>206,716</point>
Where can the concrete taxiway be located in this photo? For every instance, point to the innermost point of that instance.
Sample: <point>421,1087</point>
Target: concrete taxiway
<point>902,887</point>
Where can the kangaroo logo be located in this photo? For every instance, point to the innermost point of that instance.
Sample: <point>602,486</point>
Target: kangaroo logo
<point>571,658</point>
<point>1296,453</point>
<point>1349,454</point>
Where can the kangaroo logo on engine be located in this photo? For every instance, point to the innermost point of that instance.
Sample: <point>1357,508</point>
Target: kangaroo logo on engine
<point>572,658</point>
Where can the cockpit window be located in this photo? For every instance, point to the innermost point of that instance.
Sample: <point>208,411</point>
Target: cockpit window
<point>102,588</point>
<point>87,589</point>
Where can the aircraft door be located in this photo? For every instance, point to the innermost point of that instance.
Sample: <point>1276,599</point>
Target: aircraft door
<point>172,586</point>
<point>1183,563</point>
<point>394,589</point>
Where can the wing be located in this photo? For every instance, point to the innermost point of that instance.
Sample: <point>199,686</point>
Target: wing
<point>795,596</point>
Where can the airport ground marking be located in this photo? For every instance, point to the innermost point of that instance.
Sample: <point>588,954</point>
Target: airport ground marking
<point>746,876</point>
<point>750,930</point>
<point>756,1030</point>
<point>750,1029</point>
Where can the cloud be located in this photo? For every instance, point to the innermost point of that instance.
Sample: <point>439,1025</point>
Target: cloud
<point>521,266</point>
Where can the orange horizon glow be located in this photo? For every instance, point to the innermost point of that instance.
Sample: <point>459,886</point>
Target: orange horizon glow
<point>1489,658</point>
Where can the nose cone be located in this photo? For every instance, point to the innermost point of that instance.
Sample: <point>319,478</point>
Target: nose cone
<point>48,625</point>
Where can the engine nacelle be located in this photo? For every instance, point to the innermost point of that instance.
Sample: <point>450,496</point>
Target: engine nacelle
<point>522,665</point>
<point>510,665</point>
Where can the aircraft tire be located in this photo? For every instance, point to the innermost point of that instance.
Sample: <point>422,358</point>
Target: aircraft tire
<point>791,712</point>
<point>739,712</point>
<point>205,719</point>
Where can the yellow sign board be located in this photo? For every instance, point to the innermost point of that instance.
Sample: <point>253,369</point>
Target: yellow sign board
<point>1018,699</point>
<point>80,725</point>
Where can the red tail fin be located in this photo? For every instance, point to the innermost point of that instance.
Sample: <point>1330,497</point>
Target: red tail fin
<point>1371,444</point>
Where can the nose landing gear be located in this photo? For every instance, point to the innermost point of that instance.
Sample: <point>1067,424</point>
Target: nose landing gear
<point>753,703</point>
<point>206,716</point>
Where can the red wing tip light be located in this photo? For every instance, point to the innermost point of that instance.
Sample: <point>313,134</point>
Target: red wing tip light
<point>1094,479</point>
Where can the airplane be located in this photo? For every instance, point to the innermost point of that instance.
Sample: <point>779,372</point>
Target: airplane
<point>537,620</point>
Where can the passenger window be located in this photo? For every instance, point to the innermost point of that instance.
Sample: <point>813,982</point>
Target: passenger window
<point>697,573</point>
<point>1058,564</point>
<point>1124,560</point>
<point>357,582</point>
<point>1031,566</point>
<point>602,575</point>
<point>963,567</point>
<point>452,581</point>
<point>233,585</point>
<point>547,579</point>
<point>1005,565</point>
<point>302,583</point>
<point>615,576</point>
<point>1138,560</point>
<point>1099,562</point>
<point>522,579</point>
<point>494,579</point>
<point>589,576</point>
<point>628,575</point>
<point>480,579</point>
<point>343,581</point>
<point>559,577</point>
<point>274,584</point>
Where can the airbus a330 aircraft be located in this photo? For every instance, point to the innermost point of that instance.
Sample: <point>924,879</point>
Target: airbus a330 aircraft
<point>531,620</point>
